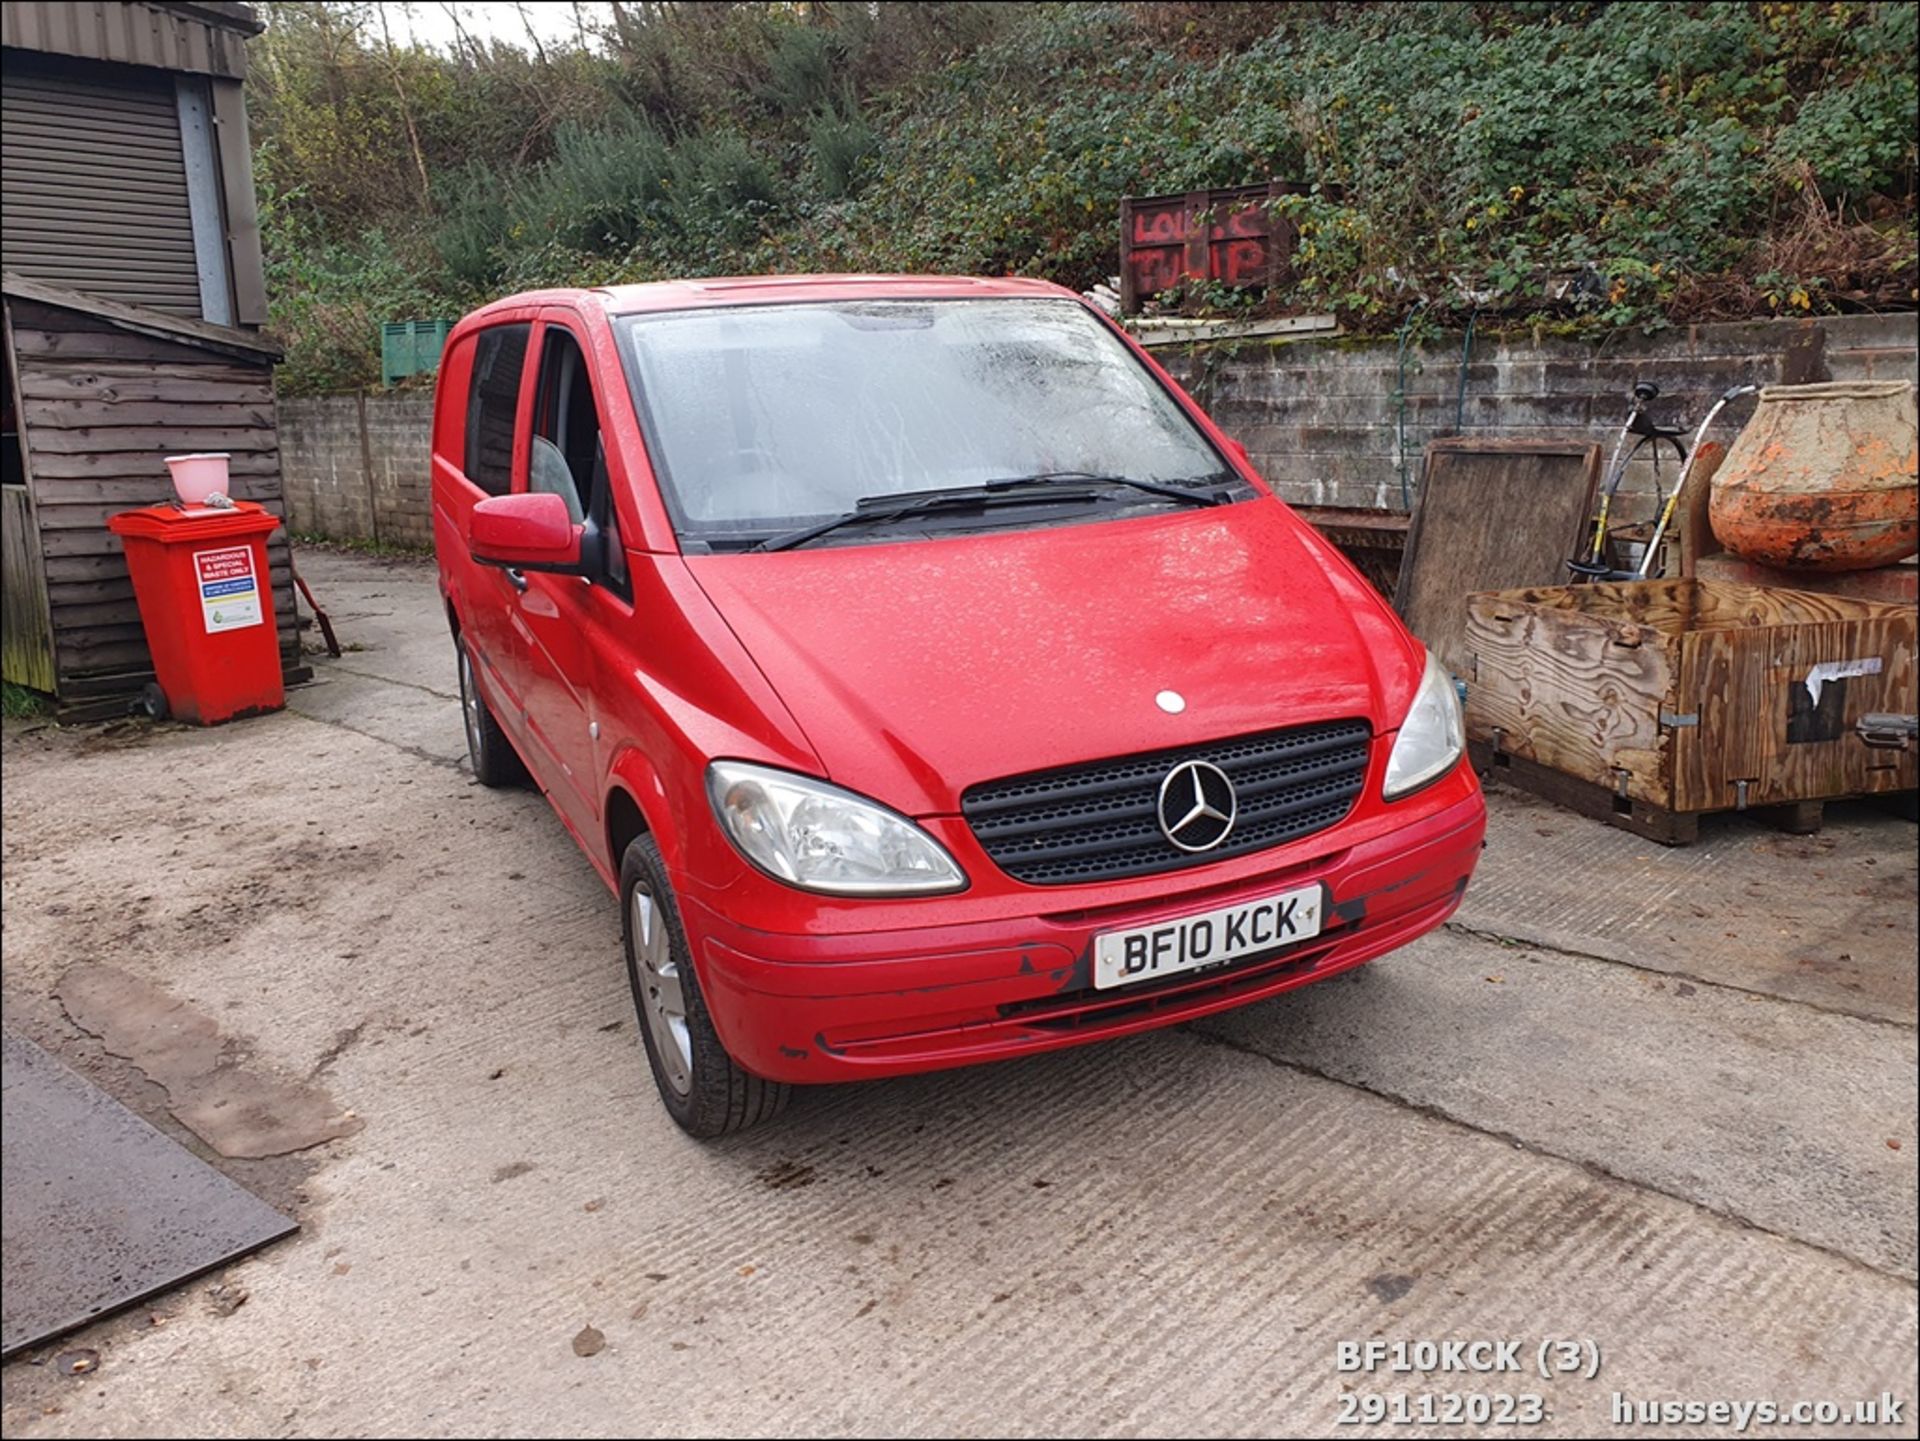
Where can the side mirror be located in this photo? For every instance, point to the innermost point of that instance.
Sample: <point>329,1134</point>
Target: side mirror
<point>532,531</point>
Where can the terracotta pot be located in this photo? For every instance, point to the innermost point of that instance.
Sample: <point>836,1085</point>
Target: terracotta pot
<point>1823,478</point>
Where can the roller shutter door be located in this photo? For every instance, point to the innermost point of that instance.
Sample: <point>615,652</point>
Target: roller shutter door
<point>95,189</point>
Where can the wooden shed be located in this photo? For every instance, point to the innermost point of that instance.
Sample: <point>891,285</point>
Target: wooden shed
<point>133,296</point>
<point>104,393</point>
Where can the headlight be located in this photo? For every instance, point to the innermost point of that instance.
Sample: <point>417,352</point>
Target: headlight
<point>821,838</point>
<point>1431,737</point>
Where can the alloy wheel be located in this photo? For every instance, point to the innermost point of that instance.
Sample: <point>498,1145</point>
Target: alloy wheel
<point>470,706</point>
<point>662,996</point>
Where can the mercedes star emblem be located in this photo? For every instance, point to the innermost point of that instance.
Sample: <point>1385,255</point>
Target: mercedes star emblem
<point>1197,806</point>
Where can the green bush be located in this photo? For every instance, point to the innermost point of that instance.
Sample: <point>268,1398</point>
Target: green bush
<point>329,298</point>
<point>802,67</point>
<point>841,145</point>
<point>1599,165</point>
<point>474,230</point>
<point>1858,140</point>
<point>599,191</point>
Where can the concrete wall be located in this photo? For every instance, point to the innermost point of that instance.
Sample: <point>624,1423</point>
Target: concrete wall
<point>1321,422</point>
<point>1319,417</point>
<point>356,467</point>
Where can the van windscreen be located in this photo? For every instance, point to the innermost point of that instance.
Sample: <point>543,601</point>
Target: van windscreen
<point>760,419</point>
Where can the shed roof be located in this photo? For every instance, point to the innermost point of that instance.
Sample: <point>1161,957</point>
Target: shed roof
<point>225,339</point>
<point>201,37</point>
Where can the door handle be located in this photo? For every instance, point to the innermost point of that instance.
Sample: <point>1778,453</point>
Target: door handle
<point>516,579</point>
<point>1888,732</point>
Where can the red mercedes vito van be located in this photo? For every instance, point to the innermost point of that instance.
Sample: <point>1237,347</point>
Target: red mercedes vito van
<point>929,677</point>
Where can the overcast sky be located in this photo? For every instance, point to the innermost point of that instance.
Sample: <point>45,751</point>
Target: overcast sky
<point>428,22</point>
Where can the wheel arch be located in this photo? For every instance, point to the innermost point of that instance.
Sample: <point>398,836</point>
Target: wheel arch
<point>625,823</point>
<point>636,804</point>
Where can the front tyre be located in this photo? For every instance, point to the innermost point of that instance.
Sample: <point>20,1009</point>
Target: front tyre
<point>495,762</point>
<point>703,1090</point>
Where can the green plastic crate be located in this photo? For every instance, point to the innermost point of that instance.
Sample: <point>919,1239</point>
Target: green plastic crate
<point>411,347</point>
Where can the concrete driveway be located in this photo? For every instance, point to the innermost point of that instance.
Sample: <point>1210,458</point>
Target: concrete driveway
<point>1662,1102</point>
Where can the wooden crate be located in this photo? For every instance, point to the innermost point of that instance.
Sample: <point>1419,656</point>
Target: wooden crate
<point>1654,701</point>
<point>1374,540</point>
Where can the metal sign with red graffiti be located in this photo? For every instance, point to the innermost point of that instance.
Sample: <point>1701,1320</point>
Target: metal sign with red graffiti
<point>1231,237</point>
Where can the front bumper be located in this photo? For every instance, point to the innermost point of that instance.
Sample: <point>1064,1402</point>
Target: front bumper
<point>812,1008</point>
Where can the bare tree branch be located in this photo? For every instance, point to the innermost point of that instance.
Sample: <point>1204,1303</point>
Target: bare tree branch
<point>526,23</point>
<point>406,110</point>
<point>461,36</point>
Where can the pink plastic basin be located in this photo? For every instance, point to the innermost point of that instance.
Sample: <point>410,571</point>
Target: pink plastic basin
<point>195,477</point>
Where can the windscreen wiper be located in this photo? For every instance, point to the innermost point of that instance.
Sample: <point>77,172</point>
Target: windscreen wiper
<point>1051,485</point>
<point>880,509</point>
<point>1170,490</point>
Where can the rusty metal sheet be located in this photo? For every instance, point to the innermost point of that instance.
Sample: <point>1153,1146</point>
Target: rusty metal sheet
<point>1230,236</point>
<point>101,1209</point>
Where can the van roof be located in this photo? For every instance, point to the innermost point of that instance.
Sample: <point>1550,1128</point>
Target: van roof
<point>771,289</point>
<point>762,289</point>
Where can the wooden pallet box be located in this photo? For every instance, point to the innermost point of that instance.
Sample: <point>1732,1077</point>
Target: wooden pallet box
<point>1687,696</point>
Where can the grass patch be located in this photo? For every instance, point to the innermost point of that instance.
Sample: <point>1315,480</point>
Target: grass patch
<point>19,703</point>
<point>355,546</point>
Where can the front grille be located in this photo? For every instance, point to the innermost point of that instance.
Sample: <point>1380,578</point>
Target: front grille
<point>1099,821</point>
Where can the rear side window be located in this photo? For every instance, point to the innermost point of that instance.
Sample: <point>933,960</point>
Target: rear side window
<point>493,397</point>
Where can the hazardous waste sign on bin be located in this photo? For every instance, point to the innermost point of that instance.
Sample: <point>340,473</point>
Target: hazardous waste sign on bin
<point>229,587</point>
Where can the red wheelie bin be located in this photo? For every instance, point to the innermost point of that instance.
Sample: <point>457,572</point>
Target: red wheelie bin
<point>200,576</point>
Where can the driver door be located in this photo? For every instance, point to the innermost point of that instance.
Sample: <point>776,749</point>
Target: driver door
<point>567,622</point>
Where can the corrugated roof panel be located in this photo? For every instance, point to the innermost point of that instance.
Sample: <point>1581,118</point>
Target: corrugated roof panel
<point>133,32</point>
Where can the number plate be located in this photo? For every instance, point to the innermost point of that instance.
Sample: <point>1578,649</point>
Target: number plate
<point>1121,958</point>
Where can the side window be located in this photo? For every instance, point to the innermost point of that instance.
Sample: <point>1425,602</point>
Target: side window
<point>569,456</point>
<point>499,357</point>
